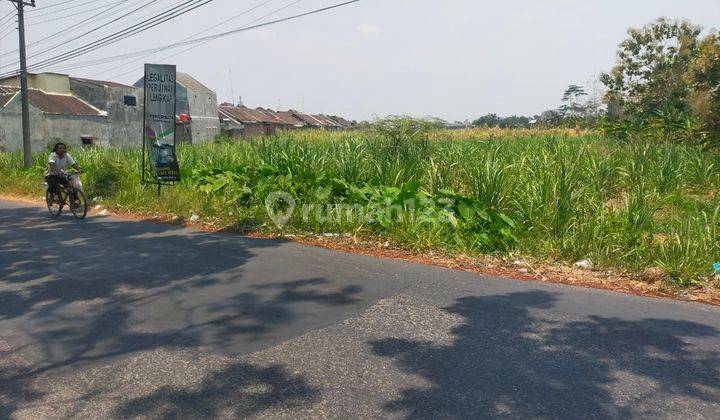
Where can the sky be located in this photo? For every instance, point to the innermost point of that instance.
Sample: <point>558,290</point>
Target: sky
<point>452,59</point>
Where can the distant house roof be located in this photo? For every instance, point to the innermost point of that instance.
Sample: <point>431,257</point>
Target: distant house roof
<point>245,115</point>
<point>327,121</point>
<point>342,121</point>
<point>282,117</point>
<point>103,83</point>
<point>189,82</point>
<point>307,119</point>
<point>51,103</point>
<point>290,118</point>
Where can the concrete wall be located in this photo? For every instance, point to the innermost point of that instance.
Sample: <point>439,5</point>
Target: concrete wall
<point>49,82</point>
<point>11,127</point>
<point>203,112</point>
<point>46,129</point>
<point>69,129</point>
<point>124,122</point>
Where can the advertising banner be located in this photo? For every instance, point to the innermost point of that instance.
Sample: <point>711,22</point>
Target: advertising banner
<point>159,130</point>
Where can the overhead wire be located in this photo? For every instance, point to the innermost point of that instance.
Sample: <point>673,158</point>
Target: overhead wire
<point>37,11</point>
<point>77,25</point>
<point>252,9</point>
<point>221,34</point>
<point>156,20</point>
<point>95,29</point>
<point>80,13</point>
<point>225,33</point>
<point>53,5</point>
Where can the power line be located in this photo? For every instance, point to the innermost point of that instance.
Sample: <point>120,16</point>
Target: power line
<point>222,34</point>
<point>72,27</point>
<point>55,19</point>
<point>67,41</point>
<point>52,5</point>
<point>64,9</point>
<point>125,33</point>
<point>208,29</point>
<point>77,25</point>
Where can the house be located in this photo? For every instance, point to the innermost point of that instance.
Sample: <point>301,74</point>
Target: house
<point>122,103</point>
<point>199,103</point>
<point>345,124</point>
<point>308,120</point>
<point>55,114</point>
<point>241,121</point>
<point>286,120</point>
<point>328,123</point>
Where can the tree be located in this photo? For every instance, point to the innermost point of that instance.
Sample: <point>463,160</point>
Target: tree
<point>489,120</point>
<point>573,106</point>
<point>648,76</point>
<point>703,77</point>
<point>514,121</point>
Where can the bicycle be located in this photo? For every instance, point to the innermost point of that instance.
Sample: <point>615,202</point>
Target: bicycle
<point>63,196</point>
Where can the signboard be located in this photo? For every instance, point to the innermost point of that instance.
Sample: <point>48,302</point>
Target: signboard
<point>159,124</point>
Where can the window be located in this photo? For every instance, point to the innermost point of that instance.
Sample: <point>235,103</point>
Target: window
<point>87,140</point>
<point>130,100</point>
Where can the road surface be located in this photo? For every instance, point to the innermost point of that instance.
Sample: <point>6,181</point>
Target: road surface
<point>115,318</point>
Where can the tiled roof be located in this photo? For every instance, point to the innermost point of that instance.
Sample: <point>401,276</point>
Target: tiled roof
<point>60,104</point>
<point>341,122</point>
<point>327,122</point>
<point>103,83</point>
<point>281,117</point>
<point>289,118</point>
<point>189,82</point>
<point>307,119</point>
<point>51,103</point>
<point>245,115</point>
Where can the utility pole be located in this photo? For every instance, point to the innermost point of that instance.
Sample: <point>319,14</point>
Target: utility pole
<point>27,146</point>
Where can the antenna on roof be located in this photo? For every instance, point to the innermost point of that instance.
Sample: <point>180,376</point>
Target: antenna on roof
<point>232,91</point>
<point>240,103</point>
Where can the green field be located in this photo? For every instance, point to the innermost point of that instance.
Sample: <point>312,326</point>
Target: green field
<point>552,195</point>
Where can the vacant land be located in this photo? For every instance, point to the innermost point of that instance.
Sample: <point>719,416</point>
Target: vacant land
<point>552,195</point>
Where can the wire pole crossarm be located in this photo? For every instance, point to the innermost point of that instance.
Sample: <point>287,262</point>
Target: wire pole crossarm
<point>27,145</point>
<point>30,3</point>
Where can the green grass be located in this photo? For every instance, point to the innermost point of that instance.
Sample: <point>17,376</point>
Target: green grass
<point>550,195</point>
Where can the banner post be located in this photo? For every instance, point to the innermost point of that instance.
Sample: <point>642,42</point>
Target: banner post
<point>159,138</point>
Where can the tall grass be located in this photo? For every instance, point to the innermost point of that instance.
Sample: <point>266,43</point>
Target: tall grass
<point>569,194</point>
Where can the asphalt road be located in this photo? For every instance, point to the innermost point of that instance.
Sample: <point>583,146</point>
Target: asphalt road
<point>114,318</point>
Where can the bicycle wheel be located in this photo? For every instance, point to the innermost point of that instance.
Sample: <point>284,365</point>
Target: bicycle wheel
<point>54,204</point>
<point>79,206</point>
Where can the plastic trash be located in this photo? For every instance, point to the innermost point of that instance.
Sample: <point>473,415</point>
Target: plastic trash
<point>585,264</point>
<point>716,267</point>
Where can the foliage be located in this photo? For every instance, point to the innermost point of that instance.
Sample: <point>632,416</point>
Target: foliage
<point>649,72</point>
<point>554,194</point>
<point>493,120</point>
<point>703,75</point>
<point>573,106</point>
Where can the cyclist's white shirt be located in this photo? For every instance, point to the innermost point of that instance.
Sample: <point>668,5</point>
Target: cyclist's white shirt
<point>60,163</point>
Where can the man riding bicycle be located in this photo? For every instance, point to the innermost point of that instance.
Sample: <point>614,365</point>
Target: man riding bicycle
<point>56,173</point>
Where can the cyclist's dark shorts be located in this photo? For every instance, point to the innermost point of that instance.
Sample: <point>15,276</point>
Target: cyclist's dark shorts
<point>53,181</point>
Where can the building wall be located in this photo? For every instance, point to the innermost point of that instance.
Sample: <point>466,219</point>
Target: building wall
<point>124,121</point>
<point>11,127</point>
<point>69,129</point>
<point>205,123</point>
<point>46,129</point>
<point>49,82</point>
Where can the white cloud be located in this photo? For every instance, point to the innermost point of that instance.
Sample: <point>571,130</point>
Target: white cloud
<point>369,29</point>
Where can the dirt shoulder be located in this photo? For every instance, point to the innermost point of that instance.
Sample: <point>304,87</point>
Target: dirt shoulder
<point>649,284</point>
